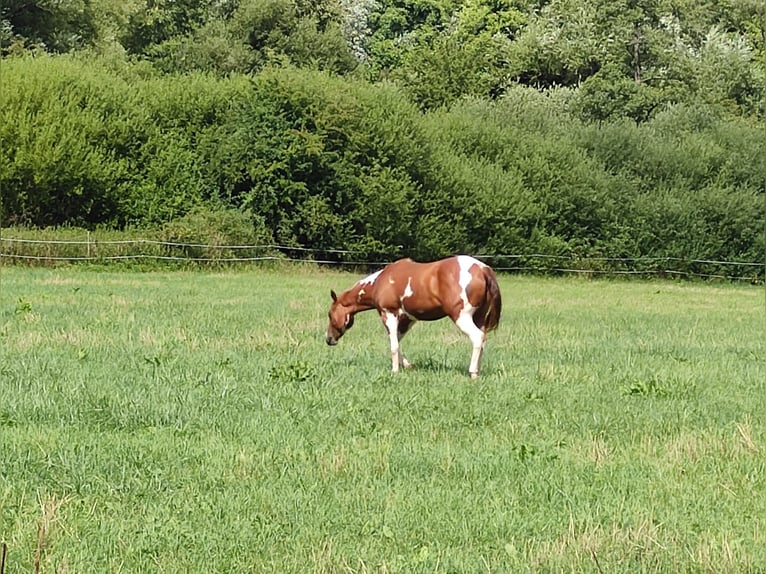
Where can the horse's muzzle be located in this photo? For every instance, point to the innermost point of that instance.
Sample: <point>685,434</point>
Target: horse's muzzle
<point>332,341</point>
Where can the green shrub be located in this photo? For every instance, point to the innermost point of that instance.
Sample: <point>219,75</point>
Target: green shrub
<point>57,163</point>
<point>220,234</point>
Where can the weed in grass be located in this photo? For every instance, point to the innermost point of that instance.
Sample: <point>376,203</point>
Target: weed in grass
<point>292,372</point>
<point>23,306</point>
<point>649,387</point>
<point>7,419</point>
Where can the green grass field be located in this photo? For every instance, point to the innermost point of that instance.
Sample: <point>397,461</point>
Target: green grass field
<point>197,422</point>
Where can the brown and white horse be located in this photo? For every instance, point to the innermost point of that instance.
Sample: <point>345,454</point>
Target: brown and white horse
<point>461,288</point>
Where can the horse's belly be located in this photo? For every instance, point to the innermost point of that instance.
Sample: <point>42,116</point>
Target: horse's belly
<point>425,314</point>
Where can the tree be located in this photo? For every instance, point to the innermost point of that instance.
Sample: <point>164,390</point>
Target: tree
<point>48,24</point>
<point>152,22</point>
<point>244,36</point>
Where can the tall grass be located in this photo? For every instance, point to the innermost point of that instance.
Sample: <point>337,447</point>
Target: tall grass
<point>196,422</point>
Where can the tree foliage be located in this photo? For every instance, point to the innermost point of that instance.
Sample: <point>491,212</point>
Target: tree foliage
<point>438,50</point>
<point>47,24</point>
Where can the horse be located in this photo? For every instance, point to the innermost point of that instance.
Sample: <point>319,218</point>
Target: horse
<point>405,291</point>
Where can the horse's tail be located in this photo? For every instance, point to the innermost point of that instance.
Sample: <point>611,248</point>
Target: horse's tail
<point>494,301</point>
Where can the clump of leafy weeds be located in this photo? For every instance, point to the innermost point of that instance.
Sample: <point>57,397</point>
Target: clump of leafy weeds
<point>292,372</point>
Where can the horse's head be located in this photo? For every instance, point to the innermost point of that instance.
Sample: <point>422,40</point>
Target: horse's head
<point>341,319</point>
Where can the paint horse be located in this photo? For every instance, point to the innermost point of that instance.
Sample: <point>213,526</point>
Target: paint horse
<point>461,288</point>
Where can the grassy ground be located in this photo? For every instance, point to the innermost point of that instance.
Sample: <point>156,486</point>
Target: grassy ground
<point>197,422</point>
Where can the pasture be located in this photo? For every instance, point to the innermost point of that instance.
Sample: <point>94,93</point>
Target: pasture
<point>197,422</point>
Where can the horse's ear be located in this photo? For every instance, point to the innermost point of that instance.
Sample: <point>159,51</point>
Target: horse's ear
<point>333,295</point>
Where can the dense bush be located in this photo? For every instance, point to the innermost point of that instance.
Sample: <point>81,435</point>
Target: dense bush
<point>217,234</point>
<point>307,159</point>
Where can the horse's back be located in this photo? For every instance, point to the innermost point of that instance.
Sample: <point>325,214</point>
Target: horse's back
<point>442,275</point>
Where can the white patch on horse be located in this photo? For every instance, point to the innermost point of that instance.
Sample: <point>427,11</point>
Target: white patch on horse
<point>464,279</point>
<point>466,261</point>
<point>408,292</point>
<point>370,279</point>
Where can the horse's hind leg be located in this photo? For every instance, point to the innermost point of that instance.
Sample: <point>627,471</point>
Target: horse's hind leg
<point>465,323</point>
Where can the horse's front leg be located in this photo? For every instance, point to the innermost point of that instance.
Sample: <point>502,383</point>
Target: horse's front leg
<point>391,321</point>
<point>405,322</point>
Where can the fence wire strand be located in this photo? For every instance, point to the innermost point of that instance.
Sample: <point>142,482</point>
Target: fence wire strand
<point>11,249</point>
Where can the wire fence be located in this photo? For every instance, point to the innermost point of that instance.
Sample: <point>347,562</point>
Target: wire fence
<point>48,252</point>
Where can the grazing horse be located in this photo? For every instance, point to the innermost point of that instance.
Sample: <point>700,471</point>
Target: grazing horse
<point>461,288</point>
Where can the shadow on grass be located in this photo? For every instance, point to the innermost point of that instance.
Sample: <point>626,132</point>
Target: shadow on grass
<point>382,369</point>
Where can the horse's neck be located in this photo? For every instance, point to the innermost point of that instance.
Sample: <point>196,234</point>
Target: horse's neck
<point>359,298</point>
